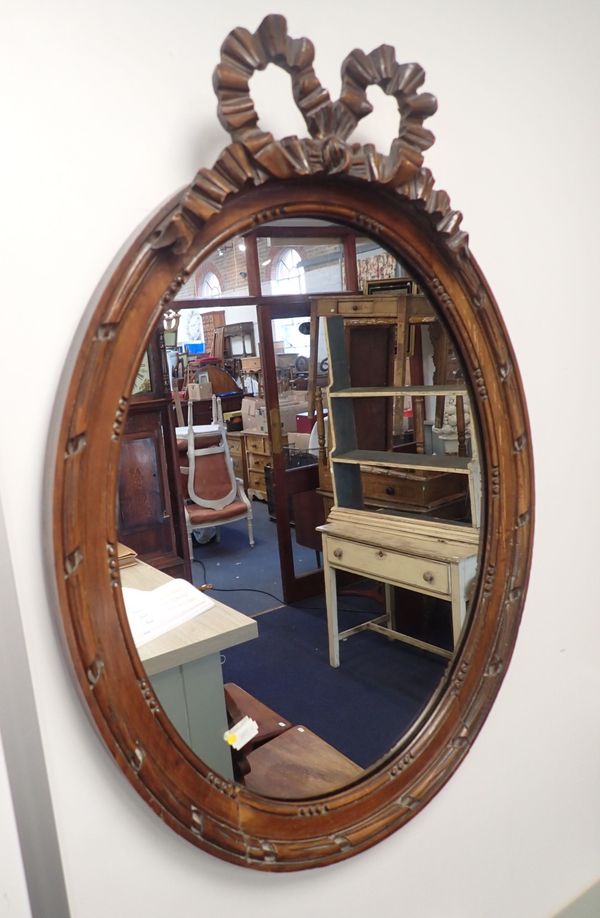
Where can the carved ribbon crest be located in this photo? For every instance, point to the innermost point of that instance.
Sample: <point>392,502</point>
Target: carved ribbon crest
<point>255,155</point>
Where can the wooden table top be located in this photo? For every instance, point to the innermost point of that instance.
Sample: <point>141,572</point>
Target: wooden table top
<point>209,632</point>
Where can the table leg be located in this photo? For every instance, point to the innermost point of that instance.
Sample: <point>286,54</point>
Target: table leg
<point>390,606</point>
<point>458,600</point>
<point>332,615</point>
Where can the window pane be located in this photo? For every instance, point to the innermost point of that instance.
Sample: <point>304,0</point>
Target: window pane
<point>301,265</point>
<point>224,273</point>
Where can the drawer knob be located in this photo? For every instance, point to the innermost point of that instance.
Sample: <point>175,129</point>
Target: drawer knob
<point>389,490</point>
<point>380,554</point>
<point>355,307</point>
<point>338,553</point>
<point>428,577</point>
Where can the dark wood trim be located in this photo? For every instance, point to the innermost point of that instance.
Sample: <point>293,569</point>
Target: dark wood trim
<point>301,232</point>
<point>215,302</point>
<point>252,266</point>
<point>350,266</point>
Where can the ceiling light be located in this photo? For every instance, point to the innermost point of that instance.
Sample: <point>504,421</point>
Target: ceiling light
<point>242,246</point>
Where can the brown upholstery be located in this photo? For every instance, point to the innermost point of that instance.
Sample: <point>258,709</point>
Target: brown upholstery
<point>211,479</point>
<point>205,516</point>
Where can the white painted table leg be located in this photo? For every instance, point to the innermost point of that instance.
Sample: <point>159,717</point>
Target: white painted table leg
<point>332,613</point>
<point>390,609</point>
<point>458,600</point>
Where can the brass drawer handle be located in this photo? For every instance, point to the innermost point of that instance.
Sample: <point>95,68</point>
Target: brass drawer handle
<point>338,553</point>
<point>428,577</point>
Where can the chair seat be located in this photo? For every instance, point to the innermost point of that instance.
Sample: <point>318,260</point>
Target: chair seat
<point>205,516</point>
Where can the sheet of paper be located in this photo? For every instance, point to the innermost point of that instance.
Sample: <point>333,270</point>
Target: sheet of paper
<point>152,613</point>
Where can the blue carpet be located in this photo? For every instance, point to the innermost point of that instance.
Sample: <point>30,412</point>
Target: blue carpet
<point>233,565</point>
<point>363,707</point>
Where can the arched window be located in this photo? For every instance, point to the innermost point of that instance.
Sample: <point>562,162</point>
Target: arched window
<point>210,286</point>
<point>288,273</point>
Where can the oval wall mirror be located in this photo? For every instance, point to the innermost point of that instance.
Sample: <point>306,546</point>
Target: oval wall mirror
<point>293,492</point>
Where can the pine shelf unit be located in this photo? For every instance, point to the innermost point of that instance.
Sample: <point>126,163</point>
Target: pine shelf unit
<point>434,558</point>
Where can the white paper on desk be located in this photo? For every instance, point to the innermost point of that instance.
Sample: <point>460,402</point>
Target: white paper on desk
<point>151,613</point>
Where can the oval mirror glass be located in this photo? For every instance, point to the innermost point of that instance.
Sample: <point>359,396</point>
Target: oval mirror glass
<point>338,343</point>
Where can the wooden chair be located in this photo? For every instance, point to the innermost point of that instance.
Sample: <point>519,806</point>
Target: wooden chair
<point>284,760</point>
<point>239,704</point>
<point>215,496</point>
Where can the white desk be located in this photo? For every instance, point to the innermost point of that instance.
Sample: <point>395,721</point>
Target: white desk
<point>436,559</point>
<point>184,667</point>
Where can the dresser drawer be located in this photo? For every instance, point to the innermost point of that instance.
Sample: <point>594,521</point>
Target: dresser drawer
<point>384,564</point>
<point>255,443</point>
<point>256,481</point>
<point>257,462</point>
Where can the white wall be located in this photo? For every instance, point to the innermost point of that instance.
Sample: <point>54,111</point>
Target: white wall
<point>109,108</point>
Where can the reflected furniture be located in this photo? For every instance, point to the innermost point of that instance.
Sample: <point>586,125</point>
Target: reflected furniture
<point>215,496</point>
<point>438,560</point>
<point>259,454</point>
<point>150,496</point>
<point>184,669</point>
<point>431,557</point>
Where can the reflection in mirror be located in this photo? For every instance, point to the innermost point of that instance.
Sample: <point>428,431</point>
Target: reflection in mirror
<point>303,452</point>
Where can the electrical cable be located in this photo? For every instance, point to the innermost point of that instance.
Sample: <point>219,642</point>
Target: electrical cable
<point>215,589</point>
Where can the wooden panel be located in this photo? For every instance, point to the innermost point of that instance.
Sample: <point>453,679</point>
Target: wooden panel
<point>145,518</point>
<point>371,358</point>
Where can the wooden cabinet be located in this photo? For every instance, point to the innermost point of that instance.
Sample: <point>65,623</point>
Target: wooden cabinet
<point>258,455</point>
<point>151,517</point>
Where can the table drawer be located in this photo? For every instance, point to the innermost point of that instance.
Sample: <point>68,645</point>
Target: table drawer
<point>385,564</point>
<point>368,306</point>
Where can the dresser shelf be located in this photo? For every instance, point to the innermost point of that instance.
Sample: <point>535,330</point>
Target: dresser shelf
<point>460,465</point>
<point>398,391</point>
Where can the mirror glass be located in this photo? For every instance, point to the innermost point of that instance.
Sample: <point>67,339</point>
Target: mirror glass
<point>322,391</point>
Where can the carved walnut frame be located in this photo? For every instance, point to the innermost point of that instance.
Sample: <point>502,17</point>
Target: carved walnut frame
<point>256,179</point>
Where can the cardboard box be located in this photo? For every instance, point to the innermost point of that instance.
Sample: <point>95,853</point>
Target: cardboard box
<point>254,413</point>
<point>199,391</point>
